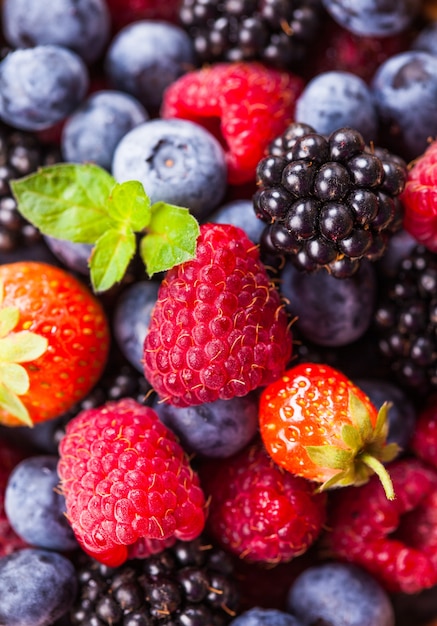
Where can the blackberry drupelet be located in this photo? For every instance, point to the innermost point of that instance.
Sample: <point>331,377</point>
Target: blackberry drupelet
<point>406,321</point>
<point>187,584</point>
<point>275,32</point>
<point>328,201</point>
<point>21,153</point>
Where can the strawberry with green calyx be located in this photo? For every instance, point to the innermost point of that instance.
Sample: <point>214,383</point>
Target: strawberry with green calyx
<point>83,203</point>
<point>317,424</point>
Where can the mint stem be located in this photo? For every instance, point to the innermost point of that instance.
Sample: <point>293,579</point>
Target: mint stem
<point>381,472</point>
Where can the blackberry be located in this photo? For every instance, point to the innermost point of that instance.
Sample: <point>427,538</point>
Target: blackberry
<point>187,584</point>
<point>328,201</point>
<point>275,32</point>
<point>406,321</point>
<point>21,153</point>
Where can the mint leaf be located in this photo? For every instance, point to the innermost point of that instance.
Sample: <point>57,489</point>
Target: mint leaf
<point>110,258</point>
<point>171,238</point>
<point>130,205</point>
<point>66,201</point>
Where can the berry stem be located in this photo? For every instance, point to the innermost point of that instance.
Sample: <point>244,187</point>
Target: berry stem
<point>381,472</point>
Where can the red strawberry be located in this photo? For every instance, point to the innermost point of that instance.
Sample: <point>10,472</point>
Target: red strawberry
<point>317,424</point>
<point>245,105</point>
<point>394,540</point>
<point>125,477</point>
<point>259,512</point>
<point>218,328</point>
<point>54,340</point>
<point>419,199</point>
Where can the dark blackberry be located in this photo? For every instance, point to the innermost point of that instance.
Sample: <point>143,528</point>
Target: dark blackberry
<point>406,321</point>
<point>275,32</point>
<point>187,584</point>
<point>21,153</point>
<point>328,201</point>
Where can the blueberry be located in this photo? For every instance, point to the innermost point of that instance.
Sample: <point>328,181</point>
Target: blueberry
<point>35,508</point>
<point>239,213</point>
<point>265,617</point>
<point>81,25</point>
<point>177,161</point>
<point>373,18</point>
<point>426,39</point>
<point>37,587</point>
<point>329,311</point>
<point>145,57</point>
<point>41,86</point>
<point>405,93</point>
<point>402,414</point>
<point>341,594</point>
<point>131,319</point>
<point>336,99</point>
<point>93,131</point>
<point>214,429</point>
<point>73,255</point>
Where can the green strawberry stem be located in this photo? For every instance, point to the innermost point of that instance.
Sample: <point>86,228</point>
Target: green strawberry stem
<point>381,472</point>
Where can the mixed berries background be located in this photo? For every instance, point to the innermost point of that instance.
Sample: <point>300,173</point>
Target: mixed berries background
<point>218,313</point>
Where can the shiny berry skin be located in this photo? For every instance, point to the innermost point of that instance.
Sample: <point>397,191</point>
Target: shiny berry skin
<point>55,305</point>
<point>129,480</point>
<point>316,423</point>
<point>259,512</point>
<point>218,329</point>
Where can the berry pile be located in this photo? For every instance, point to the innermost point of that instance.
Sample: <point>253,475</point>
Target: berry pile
<point>218,311</point>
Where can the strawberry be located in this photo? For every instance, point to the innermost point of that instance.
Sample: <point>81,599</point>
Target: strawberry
<point>259,512</point>
<point>317,424</point>
<point>395,540</point>
<point>54,341</point>
<point>218,328</point>
<point>126,479</point>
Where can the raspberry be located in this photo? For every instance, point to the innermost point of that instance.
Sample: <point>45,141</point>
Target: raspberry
<point>125,477</point>
<point>424,439</point>
<point>395,540</point>
<point>419,199</point>
<point>253,105</point>
<point>218,328</point>
<point>258,511</point>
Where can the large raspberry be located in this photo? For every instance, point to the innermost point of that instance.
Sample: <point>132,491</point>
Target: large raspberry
<point>420,199</point>
<point>395,540</point>
<point>125,477</point>
<point>218,328</point>
<point>259,512</point>
<point>252,103</point>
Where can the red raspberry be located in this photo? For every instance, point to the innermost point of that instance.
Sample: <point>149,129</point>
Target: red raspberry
<point>125,477</point>
<point>395,540</point>
<point>424,439</point>
<point>245,105</point>
<point>9,458</point>
<point>218,328</point>
<point>260,512</point>
<point>419,199</point>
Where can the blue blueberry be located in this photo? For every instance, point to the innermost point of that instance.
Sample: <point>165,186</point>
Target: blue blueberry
<point>34,506</point>
<point>37,587</point>
<point>402,414</point>
<point>177,161</point>
<point>84,26</point>
<point>145,57</point>
<point>214,429</point>
<point>426,39</point>
<point>332,100</point>
<point>330,312</point>
<point>373,18</point>
<point>405,93</point>
<point>341,594</point>
<point>73,255</point>
<point>93,131</point>
<point>239,213</point>
<point>131,319</point>
<point>41,86</point>
<point>265,617</point>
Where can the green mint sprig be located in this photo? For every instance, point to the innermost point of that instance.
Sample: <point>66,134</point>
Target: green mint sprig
<point>83,203</point>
